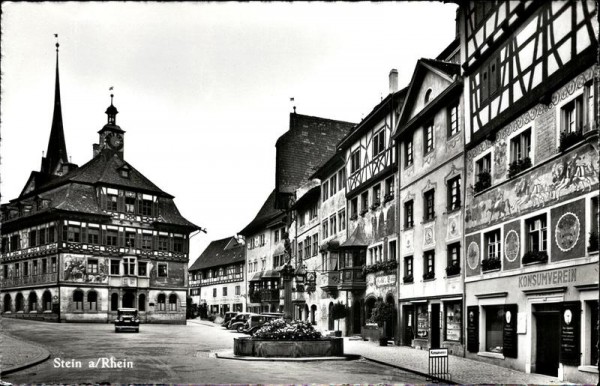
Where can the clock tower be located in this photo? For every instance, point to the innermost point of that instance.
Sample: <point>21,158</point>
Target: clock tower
<point>111,135</point>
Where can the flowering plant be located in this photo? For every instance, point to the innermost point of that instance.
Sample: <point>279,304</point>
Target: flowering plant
<point>280,330</point>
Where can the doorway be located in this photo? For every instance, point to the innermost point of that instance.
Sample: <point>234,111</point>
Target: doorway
<point>408,316</point>
<point>128,299</point>
<point>356,319</point>
<point>434,326</point>
<point>547,338</point>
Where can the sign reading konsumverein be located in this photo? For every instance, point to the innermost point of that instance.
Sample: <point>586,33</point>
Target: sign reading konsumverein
<point>538,279</point>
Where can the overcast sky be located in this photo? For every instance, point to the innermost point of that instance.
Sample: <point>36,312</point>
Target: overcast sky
<point>203,89</point>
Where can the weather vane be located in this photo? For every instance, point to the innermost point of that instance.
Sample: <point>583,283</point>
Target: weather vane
<point>56,36</point>
<point>111,94</point>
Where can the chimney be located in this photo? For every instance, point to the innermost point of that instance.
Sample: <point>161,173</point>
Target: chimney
<point>96,149</point>
<point>393,80</point>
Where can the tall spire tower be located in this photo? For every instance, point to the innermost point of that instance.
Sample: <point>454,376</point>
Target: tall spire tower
<point>57,149</point>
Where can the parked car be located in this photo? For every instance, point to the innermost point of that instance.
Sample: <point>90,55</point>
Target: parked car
<point>237,323</point>
<point>257,321</point>
<point>228,316</point>
<point>127,319</point>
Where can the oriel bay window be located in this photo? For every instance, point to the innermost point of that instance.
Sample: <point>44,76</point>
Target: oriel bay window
<point>129,266</point>
<point>355,257</point>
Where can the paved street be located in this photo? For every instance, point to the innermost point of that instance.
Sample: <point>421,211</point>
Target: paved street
<point>173,354</point>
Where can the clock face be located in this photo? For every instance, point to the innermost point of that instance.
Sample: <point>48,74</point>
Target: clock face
<point>115,141</point>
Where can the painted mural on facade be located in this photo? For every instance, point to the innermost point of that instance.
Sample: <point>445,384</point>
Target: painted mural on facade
<point>76,270</point>
<point>569,175</point>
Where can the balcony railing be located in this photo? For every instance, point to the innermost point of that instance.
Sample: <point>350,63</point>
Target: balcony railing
<point>352,279</point>
<point>28,280</point>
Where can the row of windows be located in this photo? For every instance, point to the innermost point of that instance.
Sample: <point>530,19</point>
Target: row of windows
<point>335,183</point>
<point>312,214</point>
<point>453,260</point>
<point>335,223</point>
<point>27,268</point>
<point>376,254</point>
<point>453,127</point>
<point>257,241</point>
<point>376,198</point>
<point>128,202</point>
<point>41,235</point>
<point>453,201</point>
<point>309,247</point>
<point>222,272</point>
<point>224,291</point>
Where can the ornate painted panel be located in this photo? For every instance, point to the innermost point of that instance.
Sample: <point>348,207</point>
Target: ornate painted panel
<point>565,177</point>
<point>76,269</point>
<point>473,254</point>
<point>569,239</point>
<point>512,246</point>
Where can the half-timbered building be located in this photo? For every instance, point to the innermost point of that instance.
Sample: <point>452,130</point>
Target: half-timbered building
<point>217,279</point>
<point>531,206</point>
<point>80,242</point>
<point>370,168</point>
<point>431,173</point>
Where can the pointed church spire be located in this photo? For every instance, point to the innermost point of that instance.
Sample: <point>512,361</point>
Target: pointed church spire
<point>57,149</point>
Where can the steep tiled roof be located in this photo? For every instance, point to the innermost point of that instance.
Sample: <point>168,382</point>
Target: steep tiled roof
<point>219,252</point>
<point>104,169</point>
<point>266,213</point>
<point>309,142</point>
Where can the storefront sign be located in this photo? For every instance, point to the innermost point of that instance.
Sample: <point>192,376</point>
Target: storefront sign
<point>539,279</point>
<point>473,328</point>
<point>569,333</point>
<point>438,353</point>
<point>385,280</point>
<point>509,333</point>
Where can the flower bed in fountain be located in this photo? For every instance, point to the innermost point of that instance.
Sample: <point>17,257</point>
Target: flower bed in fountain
<point>281,339</point>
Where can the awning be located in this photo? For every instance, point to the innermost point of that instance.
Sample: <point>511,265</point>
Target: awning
<point>270,274</point>
<point>256,276</point>
<point>357,239</point>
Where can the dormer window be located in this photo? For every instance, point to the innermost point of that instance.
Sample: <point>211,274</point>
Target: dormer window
<point>124,173</point>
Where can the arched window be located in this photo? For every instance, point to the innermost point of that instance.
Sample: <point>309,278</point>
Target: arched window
<point>306,312</point>
<point>47,301</point>
<point>173,302</point>
<point>142,302</point>
<point>78,300</point>
<point>7,303</point>
<point>313,314</point>
<point>92,299</point>
<point>161,302</point>
<point>427,95</point>
<point>33,301</point>
<point>19,302</point>
<point>114,302</point>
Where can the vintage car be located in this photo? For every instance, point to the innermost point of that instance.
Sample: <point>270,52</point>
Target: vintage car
<point>256,321</point>
<point>127,320</point>
<point>227,318</point>
<point>237,323</point>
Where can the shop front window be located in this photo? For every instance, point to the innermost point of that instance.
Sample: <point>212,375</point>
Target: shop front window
<point>422,322</point>
<point>453,312</point>
<point>494,317</point>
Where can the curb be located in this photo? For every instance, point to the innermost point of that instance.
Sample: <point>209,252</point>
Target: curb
<point>425,375</point>
<point>43,357</point>
<point>229,356</point>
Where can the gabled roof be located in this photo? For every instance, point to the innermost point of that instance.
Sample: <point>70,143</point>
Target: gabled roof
<point>218,253</point>
<point>446,70</point>
<point>385,107</point>
<point>309,143</point>
<point>265,215</point>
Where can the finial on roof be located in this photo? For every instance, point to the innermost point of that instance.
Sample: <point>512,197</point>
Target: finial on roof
<point>57,45</point>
